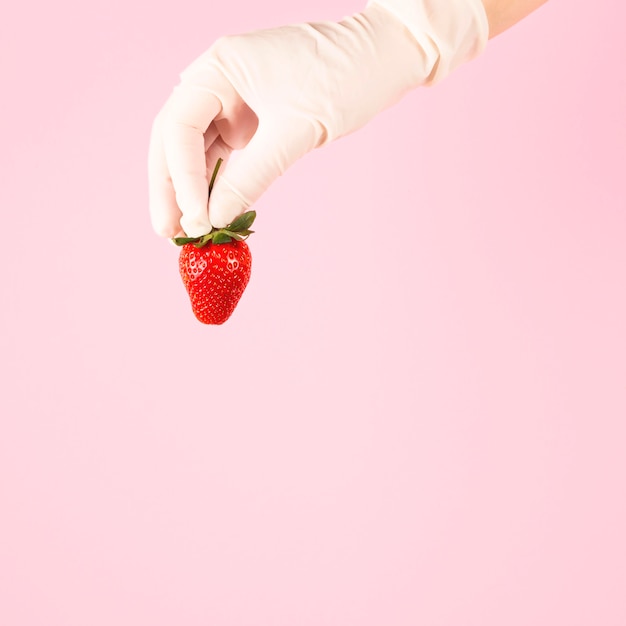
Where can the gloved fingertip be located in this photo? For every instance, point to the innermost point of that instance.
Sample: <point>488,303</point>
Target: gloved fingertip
<point>225,205</point>
<point>196,224</point>
<point>166,230</point>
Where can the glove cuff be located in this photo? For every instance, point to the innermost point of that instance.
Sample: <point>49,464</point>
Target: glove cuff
<point>451,32</point>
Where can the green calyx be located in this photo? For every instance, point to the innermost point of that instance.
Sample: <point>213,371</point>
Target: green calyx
<point>238,230</point>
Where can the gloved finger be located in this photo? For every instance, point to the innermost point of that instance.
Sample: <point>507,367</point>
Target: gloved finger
<point>275,146</point>
<point>196,225</point>
<point>164,212</point>
<point>187,116</point>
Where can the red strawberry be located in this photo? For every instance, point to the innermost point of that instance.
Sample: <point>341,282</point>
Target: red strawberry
<point>215,276</point>
<point>216,267</point>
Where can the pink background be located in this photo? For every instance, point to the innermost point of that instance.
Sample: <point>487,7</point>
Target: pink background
<point>416,414</point>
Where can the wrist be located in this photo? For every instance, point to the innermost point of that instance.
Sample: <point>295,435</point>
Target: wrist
<point>450,33</point>
<point>502,14</point>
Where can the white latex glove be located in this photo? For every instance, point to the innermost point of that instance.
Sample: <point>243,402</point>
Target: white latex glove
<point>274,95</point>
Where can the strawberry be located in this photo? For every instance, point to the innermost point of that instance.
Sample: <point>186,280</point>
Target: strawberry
<point>216,267</point>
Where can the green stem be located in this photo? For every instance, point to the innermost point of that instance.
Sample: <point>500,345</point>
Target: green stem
<point>215,171</point>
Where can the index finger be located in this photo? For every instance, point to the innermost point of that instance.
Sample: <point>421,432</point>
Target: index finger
<point>188,114</point>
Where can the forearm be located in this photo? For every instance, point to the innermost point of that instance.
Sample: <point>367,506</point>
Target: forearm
<point>502,14</point>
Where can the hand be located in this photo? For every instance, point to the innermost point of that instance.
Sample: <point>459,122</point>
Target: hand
<point>275,95</point>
